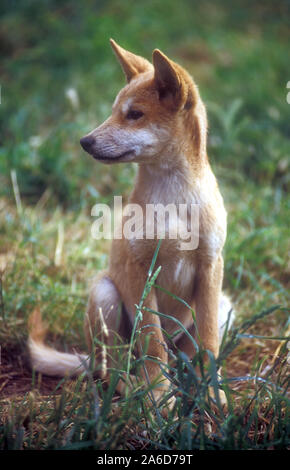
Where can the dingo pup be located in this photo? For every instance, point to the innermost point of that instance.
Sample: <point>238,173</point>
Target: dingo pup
<point>158,121</point>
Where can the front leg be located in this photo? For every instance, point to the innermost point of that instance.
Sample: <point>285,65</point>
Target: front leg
<point>150,340</point>
<point>208,290</point>
<point>207,295</point>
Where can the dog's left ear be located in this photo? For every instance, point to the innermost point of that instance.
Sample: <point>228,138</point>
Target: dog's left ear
<point>168,79</point>
<point>131,64</point>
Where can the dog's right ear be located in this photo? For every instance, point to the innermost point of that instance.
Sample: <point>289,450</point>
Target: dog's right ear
<point>131,64</point>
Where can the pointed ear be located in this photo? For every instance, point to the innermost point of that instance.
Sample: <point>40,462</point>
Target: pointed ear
<point>167,78</point>
<point>131,64</point>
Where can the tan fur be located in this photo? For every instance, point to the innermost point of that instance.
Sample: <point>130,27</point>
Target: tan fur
<point>169,143</point>
<point>37,328</point>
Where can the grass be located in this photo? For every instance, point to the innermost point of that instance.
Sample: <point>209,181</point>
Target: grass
<point>82,415</point>
<point>239,57</point>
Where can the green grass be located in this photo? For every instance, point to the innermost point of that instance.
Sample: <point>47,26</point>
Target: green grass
<point>85,416</point>
<point>239,58</point>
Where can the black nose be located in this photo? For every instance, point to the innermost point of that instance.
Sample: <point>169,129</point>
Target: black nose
<point>87,142</point>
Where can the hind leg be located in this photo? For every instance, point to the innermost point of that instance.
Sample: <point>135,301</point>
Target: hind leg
<point>106,326</point>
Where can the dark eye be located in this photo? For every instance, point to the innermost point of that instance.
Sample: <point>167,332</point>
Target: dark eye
<point>132,114</point>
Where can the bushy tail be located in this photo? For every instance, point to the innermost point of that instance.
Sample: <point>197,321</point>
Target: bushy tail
<point>49,361</point>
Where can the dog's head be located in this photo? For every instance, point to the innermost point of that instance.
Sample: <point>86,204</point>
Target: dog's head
<point>156,116</point>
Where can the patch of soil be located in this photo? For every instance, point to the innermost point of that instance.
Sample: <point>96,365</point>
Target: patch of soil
<point>17,378</point>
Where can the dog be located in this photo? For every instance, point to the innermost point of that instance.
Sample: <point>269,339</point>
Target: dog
<point>159,122</point>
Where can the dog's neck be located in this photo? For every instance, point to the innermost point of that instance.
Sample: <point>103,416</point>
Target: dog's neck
<point>167,182</point>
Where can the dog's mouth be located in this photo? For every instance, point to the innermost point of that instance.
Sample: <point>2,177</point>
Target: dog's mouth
<point>119,158</point>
